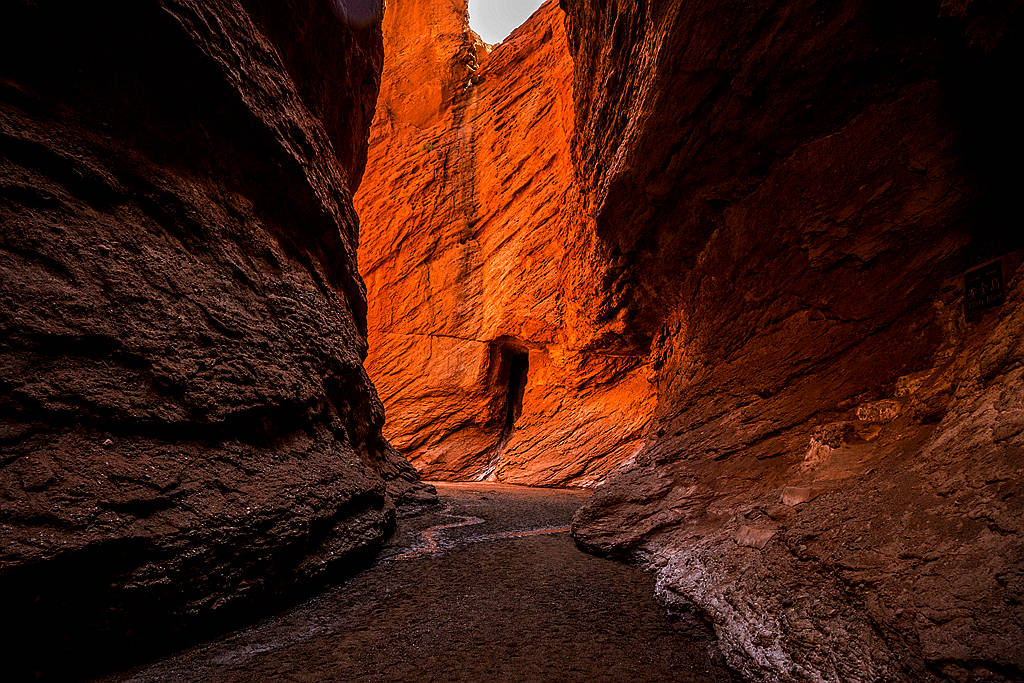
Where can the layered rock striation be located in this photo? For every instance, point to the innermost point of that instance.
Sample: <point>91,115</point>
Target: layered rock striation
<point>793,195</point>
<point>487,357</point>
<point>185,420</point>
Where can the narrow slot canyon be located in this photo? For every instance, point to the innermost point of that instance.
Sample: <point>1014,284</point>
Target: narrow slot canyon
<point>473,236</point>
<point>652,341</point>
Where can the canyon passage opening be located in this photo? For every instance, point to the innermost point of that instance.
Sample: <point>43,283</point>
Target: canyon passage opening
<point>515,366</point>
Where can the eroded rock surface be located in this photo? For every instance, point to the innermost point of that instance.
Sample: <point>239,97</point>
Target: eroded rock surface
<point>487,358</point>
<point>833,472</point>
<point>185,420</point>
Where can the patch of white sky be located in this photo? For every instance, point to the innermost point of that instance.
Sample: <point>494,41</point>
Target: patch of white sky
<point>493,20</point>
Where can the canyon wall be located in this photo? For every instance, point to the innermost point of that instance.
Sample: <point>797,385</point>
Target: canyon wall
<point>792,195</point>
<point>186,424</point>
<point>483,345</point>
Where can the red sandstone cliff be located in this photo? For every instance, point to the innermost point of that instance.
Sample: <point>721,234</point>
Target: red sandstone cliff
<point>833,473</point>
<point>477,264</point>
<point>185,420</point>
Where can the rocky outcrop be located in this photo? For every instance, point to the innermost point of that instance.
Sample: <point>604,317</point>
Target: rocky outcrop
<point>482,345</point>
<point>790,195</point>
<point>185,420</point>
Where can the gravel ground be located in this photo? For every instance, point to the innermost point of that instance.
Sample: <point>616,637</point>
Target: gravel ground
<point>489,586</point>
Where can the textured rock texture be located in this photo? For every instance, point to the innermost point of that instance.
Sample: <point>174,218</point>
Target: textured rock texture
<point>185,420</point>
<point>789,194</point>
<point>482,345</point>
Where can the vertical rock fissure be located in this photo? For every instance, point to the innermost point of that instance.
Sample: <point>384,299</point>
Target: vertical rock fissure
<point>519,365</point>
<point>465,186</point>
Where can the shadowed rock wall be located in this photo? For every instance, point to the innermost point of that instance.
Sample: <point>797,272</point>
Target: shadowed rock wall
<point>185,420</point>
<point>832,475</point>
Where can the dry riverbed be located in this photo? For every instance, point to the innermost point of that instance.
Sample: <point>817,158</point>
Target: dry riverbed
<point>488,586</point>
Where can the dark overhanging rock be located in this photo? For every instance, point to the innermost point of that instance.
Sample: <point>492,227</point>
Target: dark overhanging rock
<point>797,190</point>
<point>188,433</point>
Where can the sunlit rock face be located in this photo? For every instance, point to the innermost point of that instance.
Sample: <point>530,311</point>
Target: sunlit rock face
<point>185,420</point>
<point>833,473</point>
<point>485,343</point>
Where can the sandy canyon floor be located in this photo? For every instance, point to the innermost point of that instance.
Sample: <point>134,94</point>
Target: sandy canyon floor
<point>488,586</point>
